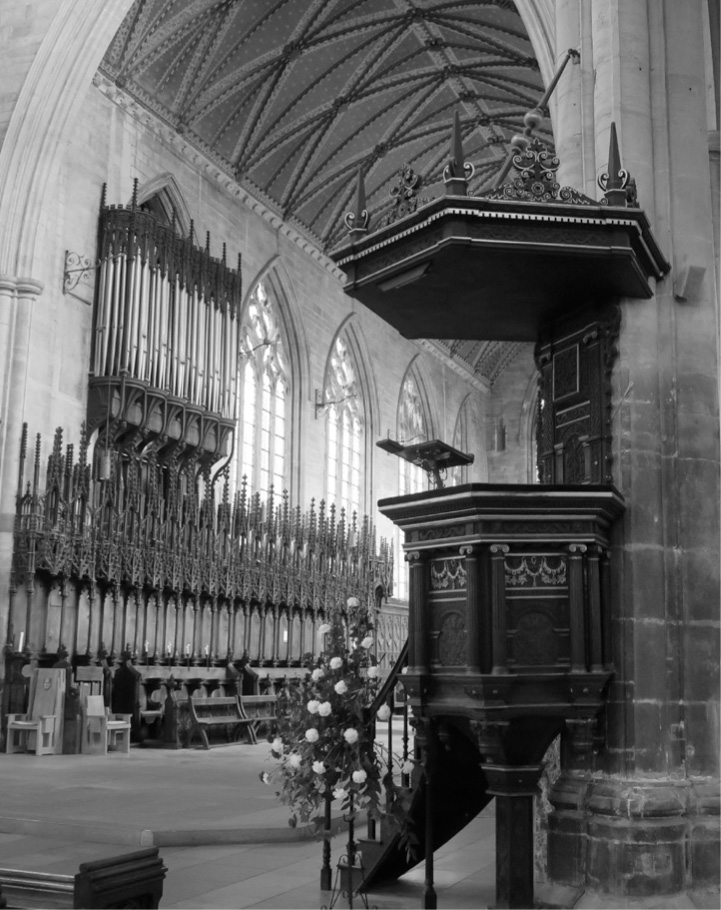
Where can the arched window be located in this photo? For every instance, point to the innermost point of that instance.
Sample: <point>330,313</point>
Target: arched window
<point>344,415</point>
<point>264,383</point>
<point>459,475</point>
<point>412,428</point>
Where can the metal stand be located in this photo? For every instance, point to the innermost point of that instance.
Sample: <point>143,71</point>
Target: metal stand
<point>350,874</point>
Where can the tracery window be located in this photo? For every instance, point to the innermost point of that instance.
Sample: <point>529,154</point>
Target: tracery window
<point>412,428</point>
<point>264,388</point>
<point>344,415</point>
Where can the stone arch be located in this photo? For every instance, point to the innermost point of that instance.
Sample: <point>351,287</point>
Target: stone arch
<point>45,113</point>
<point>413,369</point>
<point>274,275</point>
<point>171,198</point>
<point>351,327</point>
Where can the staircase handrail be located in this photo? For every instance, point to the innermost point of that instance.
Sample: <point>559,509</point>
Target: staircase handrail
<point>391,680</point>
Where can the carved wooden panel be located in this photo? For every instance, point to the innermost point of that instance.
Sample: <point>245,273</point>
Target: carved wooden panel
<point>575,359</point>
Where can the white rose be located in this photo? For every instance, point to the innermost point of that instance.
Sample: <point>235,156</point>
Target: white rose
<point>340,687</point>
<point>318,767</point>
<point>367,641</point>
<point>312,706</point>
<point>294,761</point>
<point>324,709</point>
<point>384,712</point>
<point>317,674</point>
<point>359,777</point>
<point>407,767</point>
<point>404,671</point>
<point>277,744</point>
<point>340,793</point>
<point>265,777</point>
<point>336,663</point>
<point>350,736</point>
<point>311,735</point>
<point>324,629</point>
<point>373,672</point>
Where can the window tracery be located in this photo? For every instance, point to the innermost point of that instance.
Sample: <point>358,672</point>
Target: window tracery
<point>265,383</point>
<point>345,426</point>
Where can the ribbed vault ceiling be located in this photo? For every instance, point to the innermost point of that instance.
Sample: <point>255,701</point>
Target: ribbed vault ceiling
<point>292,96</point>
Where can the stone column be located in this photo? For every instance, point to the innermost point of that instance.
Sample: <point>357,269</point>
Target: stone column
<point>643,833</point>
<point>17,301</point>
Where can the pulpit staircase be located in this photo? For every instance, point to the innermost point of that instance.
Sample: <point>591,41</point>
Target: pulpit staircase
<point>508,646</point>
<point>460,794</point>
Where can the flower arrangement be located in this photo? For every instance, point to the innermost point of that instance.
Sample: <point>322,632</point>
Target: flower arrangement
<point>325,737</point>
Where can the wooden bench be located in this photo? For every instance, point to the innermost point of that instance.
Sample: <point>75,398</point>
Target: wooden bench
<point>218,711</point>
<point>261,710</point>
<point>129,880</point>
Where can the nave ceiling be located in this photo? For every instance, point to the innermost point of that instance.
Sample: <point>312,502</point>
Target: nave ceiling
<point>291,97</point>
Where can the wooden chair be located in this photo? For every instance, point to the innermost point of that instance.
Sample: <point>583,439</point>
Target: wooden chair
<point>89,680</point>
<point>37,731</point>
<point>102,729</point>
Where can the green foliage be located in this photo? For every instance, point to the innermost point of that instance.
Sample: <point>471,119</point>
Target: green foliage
<point>325,740</point>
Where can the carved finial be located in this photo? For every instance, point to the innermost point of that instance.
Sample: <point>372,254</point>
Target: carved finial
<point>103,197</point>
<point>457,172</point>
<point>192,231</point>
<point>134,200</point>
<point>207,242</point>
<point>224,257</point>
<point>614,183</point>
<point>357,222</point>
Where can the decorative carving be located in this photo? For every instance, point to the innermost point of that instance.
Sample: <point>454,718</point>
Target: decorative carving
<point>535,571</point>
<point>537,168</point>
<point>403,194</point>
<point>534,640</point>
<point>441,533</point>
<point>451,576</point>
<point>565,372</point>
<point>452,640</point>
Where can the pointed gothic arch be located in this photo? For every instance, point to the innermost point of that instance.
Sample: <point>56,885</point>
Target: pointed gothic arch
<point>348,399</point>
<point>162,195</point>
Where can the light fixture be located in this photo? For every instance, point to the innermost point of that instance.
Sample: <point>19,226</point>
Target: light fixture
<point>321,404</point>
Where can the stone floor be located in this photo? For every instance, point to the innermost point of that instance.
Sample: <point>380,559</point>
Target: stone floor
<point>222,835</point>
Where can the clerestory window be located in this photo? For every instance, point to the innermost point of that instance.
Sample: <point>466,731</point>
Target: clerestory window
<point>344,421</point>
<point>264,388</point>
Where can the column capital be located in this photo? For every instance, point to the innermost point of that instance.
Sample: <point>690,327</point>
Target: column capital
<point>20,286</point>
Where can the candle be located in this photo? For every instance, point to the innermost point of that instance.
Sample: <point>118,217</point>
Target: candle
<point>187,650</point>
<point>22,641</point>
<point>169,649</point>
<point>207,650</point>
<point>146,647</point>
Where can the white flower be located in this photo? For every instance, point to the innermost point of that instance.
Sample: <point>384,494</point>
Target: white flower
<point>324,709</point>
<point>336,663</point>
<point>407,767</point>
<point>317,674</point>
<point>312,706</point>
<point>277,745</point>
<point>404,671</point>
<point>359,777</point>
<point>311,735</point>
<point>384,712</point>
<point>318,767</point>
<point>340,793</point>
<point>324,629</point>
<point>294,761</point>
<point>340,687</point>
<point>373,672</point>
<point>367,641</point>
<point>350,735</point>
<point>265,777</point>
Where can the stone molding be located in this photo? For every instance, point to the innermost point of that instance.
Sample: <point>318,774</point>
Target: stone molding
<point>210,167</point>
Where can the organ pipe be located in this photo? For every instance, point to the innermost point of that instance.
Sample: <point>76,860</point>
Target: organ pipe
<point>166,311</point>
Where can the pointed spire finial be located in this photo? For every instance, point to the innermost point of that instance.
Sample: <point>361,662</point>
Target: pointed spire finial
<point>357,222</point>
<point>617,184</point>
<point>457,172</point>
